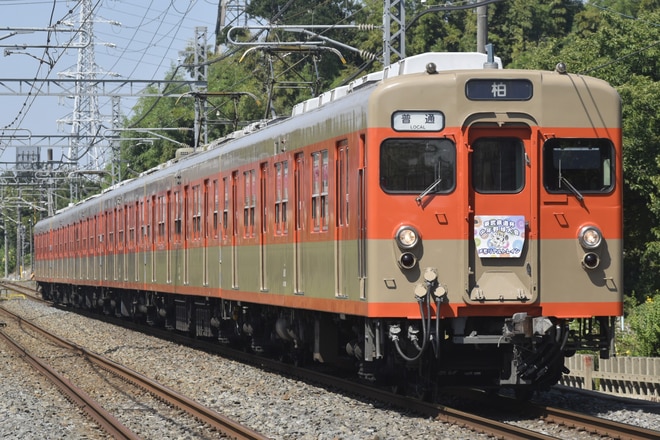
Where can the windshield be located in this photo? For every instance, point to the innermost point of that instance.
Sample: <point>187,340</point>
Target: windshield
<point>415,165</point>
<point>584,164</point>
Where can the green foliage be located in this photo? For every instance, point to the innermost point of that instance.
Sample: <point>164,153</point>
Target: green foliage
<point>516,27</point>
<point>148,145</point>
<point>644,323</point>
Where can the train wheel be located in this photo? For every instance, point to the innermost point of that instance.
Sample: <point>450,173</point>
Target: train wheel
<point>523,394</point>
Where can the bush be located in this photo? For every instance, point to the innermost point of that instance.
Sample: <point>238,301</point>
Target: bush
<point>644,321</point>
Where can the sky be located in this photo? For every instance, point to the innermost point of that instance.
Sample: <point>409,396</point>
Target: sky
<point>134,39</point>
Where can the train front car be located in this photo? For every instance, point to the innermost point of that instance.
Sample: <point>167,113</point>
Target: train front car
<point>494,225</point>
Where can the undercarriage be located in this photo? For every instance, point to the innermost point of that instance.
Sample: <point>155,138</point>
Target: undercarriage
<point>521,352</point>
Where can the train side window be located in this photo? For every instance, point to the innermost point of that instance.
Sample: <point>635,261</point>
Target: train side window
<point>320,190</point>
<point>250,201</point>
<point>177,215</point>
<point>131,224</point>
<point>216,207</point>
<point>120,232</point>
<point>587,165</point>
<point>111,230</point>
<point>197,211</point>
<point>162,216</point>
<point>225,207</point>
<point>285,197</point>
<point>342,184</point>
<point>281,197</point>
<point>498,165</point>
<point>414,165</point>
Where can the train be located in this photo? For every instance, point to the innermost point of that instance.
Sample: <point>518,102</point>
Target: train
<point>442,222</point>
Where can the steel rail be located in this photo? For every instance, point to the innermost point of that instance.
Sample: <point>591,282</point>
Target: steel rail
<point>103,418</point>
<point>212,418</point>
<point>597,425</point>
<point>571,419</point>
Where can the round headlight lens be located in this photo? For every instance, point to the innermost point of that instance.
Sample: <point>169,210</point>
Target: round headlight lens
<point>407,260</point>
<point>590,237</point>
<point>590,260</point>
<point>407,237</point>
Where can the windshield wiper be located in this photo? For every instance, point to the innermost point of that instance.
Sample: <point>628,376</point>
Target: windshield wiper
<point>428,190</point>
<point>569,185</point>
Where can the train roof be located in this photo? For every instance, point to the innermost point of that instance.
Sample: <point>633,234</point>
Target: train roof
<point>443,61</point>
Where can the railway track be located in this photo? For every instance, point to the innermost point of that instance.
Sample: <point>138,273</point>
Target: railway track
<point>595,425</point>
<point>598,427</point>
<point>215,422</point>
<point>103,418</point>
<point>10,290</point>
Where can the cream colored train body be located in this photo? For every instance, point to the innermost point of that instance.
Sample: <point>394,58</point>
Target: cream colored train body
<point>435,223</point>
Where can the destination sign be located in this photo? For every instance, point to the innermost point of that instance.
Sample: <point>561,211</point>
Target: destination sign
<point>499,89</point>
<point>418,121</point>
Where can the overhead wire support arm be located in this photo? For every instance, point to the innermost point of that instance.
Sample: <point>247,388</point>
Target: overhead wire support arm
<point>284,47</point>
<point>13,31</point>
<point>300,45</point>
<point>152,133</point>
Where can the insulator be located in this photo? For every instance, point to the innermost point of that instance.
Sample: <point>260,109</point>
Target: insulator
<point>368,55</point>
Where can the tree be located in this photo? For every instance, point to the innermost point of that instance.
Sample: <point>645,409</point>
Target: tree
<point>625,52</point>
<point>300,70</point>
<point>645,323</point>
<point>152,113</point>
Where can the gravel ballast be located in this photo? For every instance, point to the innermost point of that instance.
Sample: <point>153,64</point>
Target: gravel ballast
<point>278,407</point>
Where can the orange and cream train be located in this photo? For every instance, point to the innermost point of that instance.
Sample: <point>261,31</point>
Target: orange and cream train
<point>444,221</point>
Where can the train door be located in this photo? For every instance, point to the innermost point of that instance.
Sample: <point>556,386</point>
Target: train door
<point>234,230</point>
<point>137,240</point>
<point>342,270</point>
<point>93,236</point>
<point>502,193</point>
<point>205,231</point>
<point>298,207</point>
<point>112,242</point>
<point>103,247</point>
<point>124,242</point>
<point>187,211</point>
<point>362,217</point>
<point>152,236</point>
<point>263,227</point>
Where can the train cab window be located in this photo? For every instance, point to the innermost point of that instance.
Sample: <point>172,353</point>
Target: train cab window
<point>498,165</point>
<point>578,166</point>
<point>415,165</point>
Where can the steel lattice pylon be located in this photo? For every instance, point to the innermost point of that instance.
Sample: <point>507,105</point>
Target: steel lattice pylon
<point>86,119</point>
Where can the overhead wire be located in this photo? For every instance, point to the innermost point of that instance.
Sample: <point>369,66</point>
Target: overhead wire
<point>630,54</point>
<point>34,89</point>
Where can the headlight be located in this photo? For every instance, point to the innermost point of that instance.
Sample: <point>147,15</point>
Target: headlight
<point>590,237</point>
<point>406,237</point>
<point>590,260</point>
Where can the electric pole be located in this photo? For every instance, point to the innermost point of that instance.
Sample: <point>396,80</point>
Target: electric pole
<point>86,120</point>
